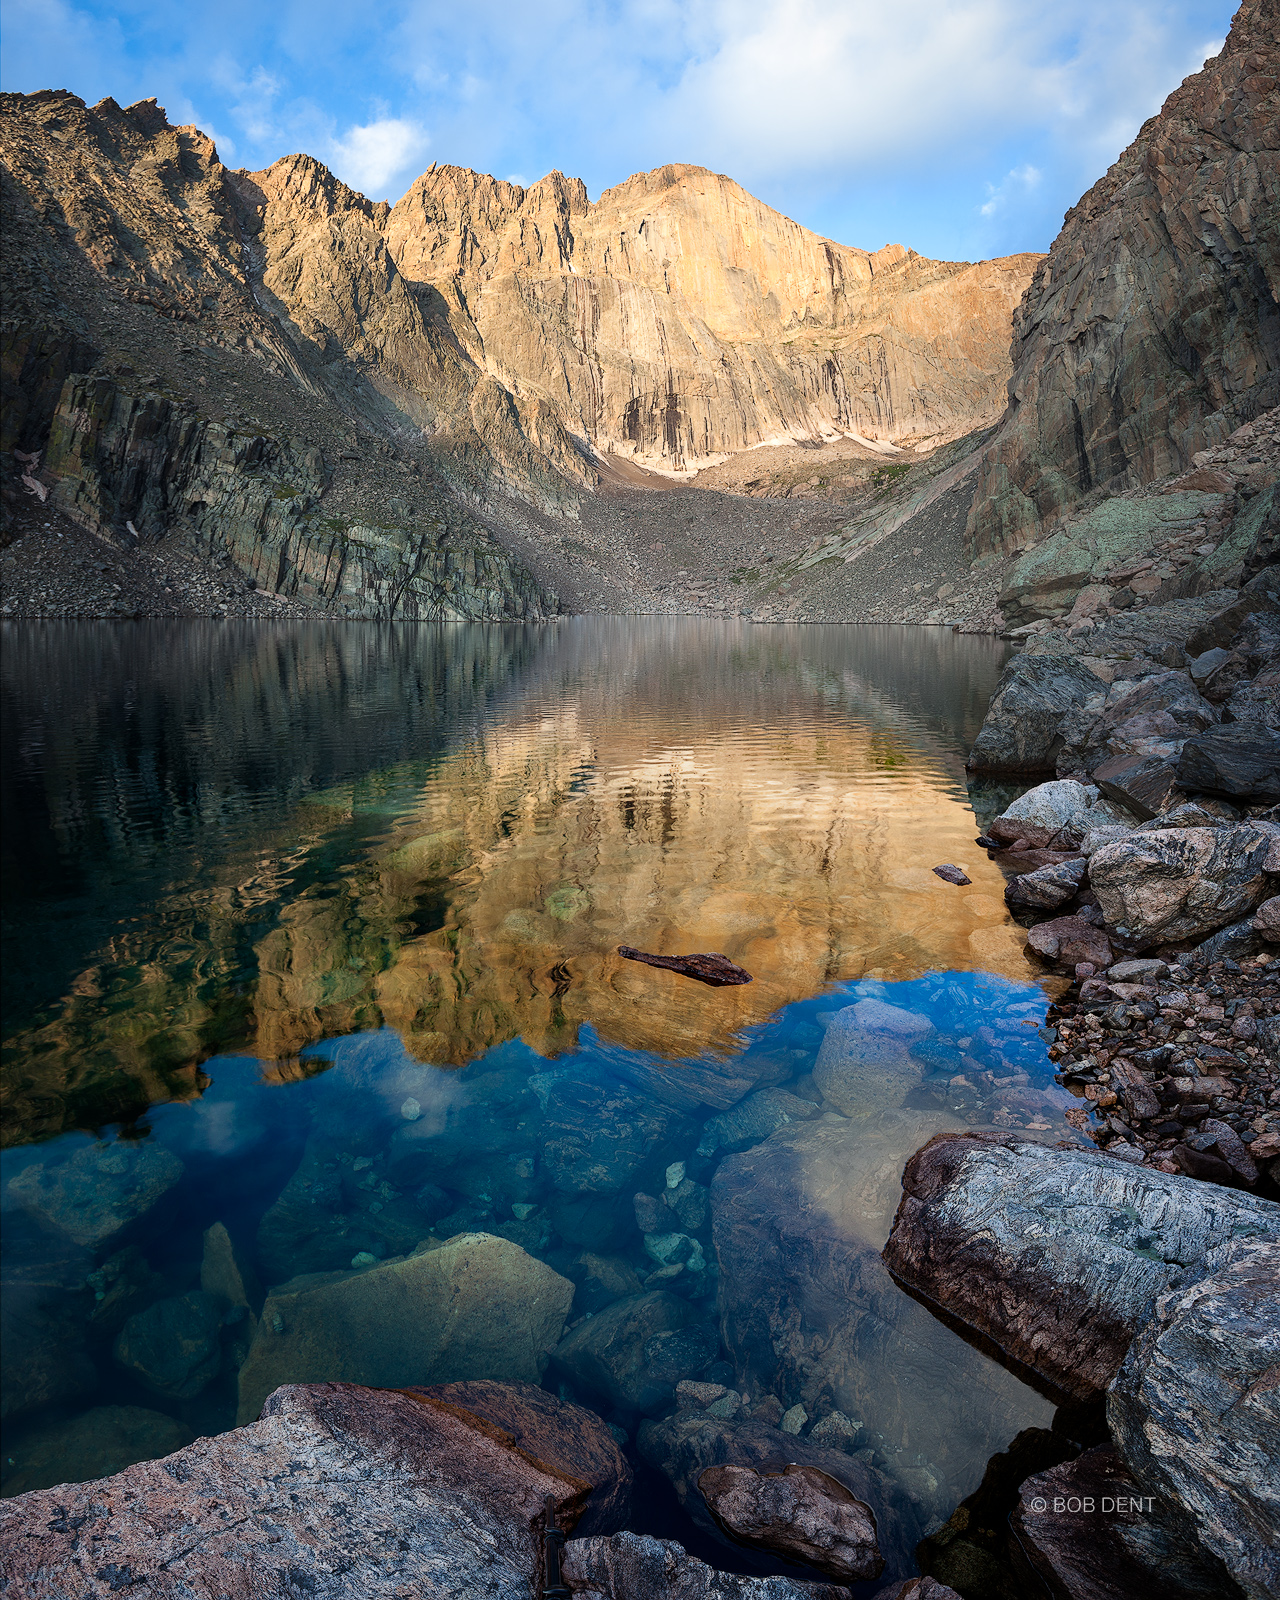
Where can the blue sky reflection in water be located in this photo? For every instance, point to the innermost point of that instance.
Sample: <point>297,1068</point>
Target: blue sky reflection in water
<point>340,937</point>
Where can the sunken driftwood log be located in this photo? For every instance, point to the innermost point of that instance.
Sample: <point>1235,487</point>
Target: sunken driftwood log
<point>713,969</point>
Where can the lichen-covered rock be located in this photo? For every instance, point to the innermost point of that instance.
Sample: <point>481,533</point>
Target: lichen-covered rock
<point>1021,732</point>
<point>477,1307</point>
<point>1195,1408</point>
<point>1183,883</point>
<point>1053,1256</point>
<point>800,1513</point>
<point>1057,814</point>
<point>635,1566</point>
<point>97,1190</point>
<point>386,1495</point>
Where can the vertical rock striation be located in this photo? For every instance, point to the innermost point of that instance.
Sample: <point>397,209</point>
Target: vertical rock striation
<point>1152,328</point>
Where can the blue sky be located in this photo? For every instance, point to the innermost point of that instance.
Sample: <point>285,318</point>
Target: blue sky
<point>962,128</point>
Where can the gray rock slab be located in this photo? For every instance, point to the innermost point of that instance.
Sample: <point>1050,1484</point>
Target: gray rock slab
<point>339,1492</point>
<point>1195,1408</point>
<point>477,1307</point>
<point>864,1064</point>
<point>1021,730</point>
<point>1051,1257</point>
<point>1184,883</point>
<point>799,1513</point>
<point>1240,760</point>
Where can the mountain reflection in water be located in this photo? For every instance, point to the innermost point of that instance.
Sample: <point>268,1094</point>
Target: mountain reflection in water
<point>248,839</point>
<point>317,1029</point>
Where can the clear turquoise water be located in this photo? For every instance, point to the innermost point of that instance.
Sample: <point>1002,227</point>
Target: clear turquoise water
<point>274,897</point>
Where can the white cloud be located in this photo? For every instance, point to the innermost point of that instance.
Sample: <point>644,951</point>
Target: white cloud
<point>372,157</point>
<point>1020,181</point>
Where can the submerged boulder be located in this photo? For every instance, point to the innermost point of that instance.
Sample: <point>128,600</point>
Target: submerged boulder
<point>1183,883</point>
<point>688,1449</point>
<point>97,1190</point>
<point>477,1307</point>
<point>338,1491</point>
<point>1195,1408</point>
<point>1051,1257</point>
<point>864,1064</point>
<point>626,1353</point>
<point>812,1317</point>
<point>94,1445</point>
<point>800,1513</point>
<point>174,1347</point>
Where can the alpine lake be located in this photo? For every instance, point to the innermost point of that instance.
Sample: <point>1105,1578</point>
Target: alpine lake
<point>321,1063</point>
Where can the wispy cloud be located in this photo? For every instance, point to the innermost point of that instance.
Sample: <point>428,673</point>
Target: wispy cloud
<point>865,121</point>
<point>1016,183</point>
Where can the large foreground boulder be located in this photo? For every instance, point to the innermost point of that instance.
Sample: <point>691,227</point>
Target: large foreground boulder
<point>1022,729</point>
<point>1196,1408</point>
<point>1183,883</point>
<point>477,1307</point>
<point>1088,1530</point>
<point>338,1493</point>
<point>634,1566</point>
<point>1051,1257</point>
<point>567,1440</point>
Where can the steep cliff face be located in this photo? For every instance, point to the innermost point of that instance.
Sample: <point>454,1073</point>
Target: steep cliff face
<point>1152,329</point>
<point>678,318</point>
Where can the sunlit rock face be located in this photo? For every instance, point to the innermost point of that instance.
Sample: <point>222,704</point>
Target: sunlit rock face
<point>776,797</point>
<point>678,318</point>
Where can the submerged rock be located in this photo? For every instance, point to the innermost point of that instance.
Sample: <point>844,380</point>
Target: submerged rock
<point>753,1119</point>
<point>384,1495</point>
<point>626,1354</point>
<point>96,1445</point>
<point>635,1566</point>
<point>97,1190</point>
<point>1195,1408</point>
<point>1051,1257</point>
<point>800,1513</point>
<point>174,1347</point>
<point>864,1064</point>
<point>811,1315</point>
<point>477,1307</point>
<point>686,1448</point>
